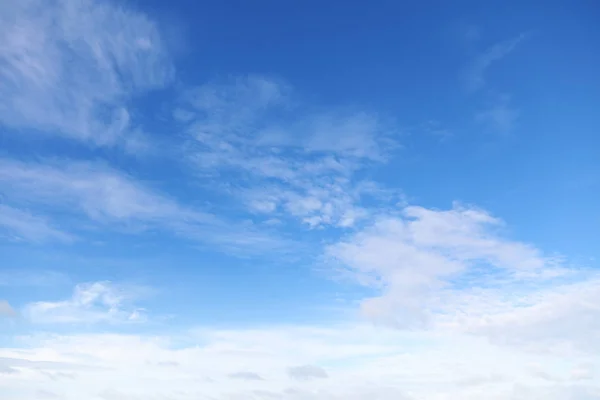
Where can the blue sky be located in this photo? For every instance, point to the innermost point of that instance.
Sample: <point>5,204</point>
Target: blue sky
<point>299,200</point>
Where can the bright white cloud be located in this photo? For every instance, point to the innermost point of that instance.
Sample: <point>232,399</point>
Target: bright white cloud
<point>453,270</point>
<point>361,363</point>
<point>489,317</point>
<point>70,67</point>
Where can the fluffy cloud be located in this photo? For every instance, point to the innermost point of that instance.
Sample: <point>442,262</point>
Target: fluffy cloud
<point>489,317</point>
<point>100,192</point>
<point>69,67</point>
<point>453,270</point>
<point>560,318</point>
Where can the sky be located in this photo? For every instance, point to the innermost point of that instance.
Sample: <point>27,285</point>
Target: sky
<point>299,200</point>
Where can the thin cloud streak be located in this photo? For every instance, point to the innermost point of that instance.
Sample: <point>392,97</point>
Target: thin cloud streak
<point>117,201</point>
<point>289,162</point>
<point>21,225</point>
<point>475,74</point>
<point>69,68</point>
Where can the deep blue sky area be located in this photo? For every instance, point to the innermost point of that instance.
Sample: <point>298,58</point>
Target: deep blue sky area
<point>405,60</point>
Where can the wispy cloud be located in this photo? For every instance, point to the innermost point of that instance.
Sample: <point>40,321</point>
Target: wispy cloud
<point>100,192</point>
<point>303,161</point>
<point>22,225</point>
<point>475,73</point>
<point>70,67</point>
<point>453,270</point>
<point>116,200</point>
<point>362,362</point>
<point>91,303</point>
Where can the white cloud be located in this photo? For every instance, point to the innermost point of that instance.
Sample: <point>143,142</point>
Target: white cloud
<point>98,302</point>
<point>102,193</point>
<point>69,67</point>
<point>412,256</point>
<point>362,363</point>
<point>561,317</point>
<point>116,200</point>
<point>22,225</point>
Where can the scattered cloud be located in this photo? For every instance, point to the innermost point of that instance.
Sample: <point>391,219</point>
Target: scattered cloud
<point>286,160</point>
<point>307,372</point>
<point>453,270</point>
<point>102,193</point>
<point>256,114</point>
<point>412,256</point>
<point>559,318</point>
<point>70,67</point>
<point>98,302</point>
<point>582,372</point>
<point>116,200</point>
